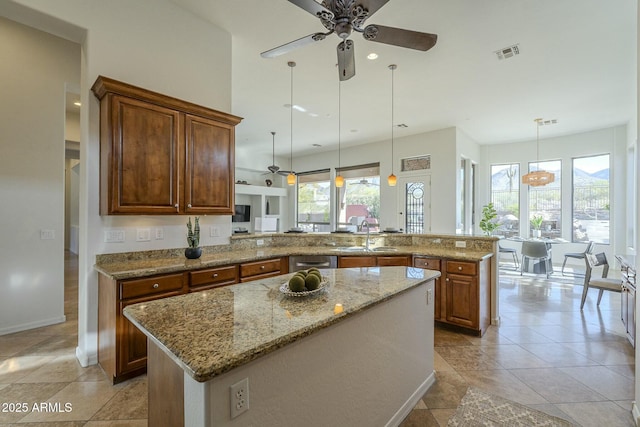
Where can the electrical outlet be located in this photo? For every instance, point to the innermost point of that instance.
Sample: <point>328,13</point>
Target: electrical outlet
<point>461,244</point>
<point>259,242</point>
<point>214,231</point>
<point>239,397</point>
<point>429,296</point>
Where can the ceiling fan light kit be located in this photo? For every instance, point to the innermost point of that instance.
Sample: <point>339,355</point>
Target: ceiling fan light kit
<point>342,17</point>
<point>540,177</point>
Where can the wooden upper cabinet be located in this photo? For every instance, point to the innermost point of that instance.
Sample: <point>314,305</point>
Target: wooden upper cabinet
<point>162,155</point>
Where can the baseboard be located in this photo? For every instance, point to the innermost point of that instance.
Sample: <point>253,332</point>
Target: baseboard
<point>408,406</point>
<point>86,359</point>
<point>495,321</point>
<point>32,325</point>
<point>635,411</point>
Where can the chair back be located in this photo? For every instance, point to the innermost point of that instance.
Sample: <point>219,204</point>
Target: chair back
<point>535,249</point>
<point>590,247</point>
<point>593,261</point>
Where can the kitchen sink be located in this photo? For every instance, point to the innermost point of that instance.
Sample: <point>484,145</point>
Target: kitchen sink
<point>351,249</point>
<point>384,249</point>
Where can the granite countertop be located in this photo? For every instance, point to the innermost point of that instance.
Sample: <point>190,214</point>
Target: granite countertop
<point>211,332</point>
<point>135,268</point>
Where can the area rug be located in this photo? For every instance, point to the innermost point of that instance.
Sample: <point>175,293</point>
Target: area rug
<point>478,408</point>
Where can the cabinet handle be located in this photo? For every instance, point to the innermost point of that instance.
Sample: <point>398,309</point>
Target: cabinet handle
<point>262,267</point>
<point>446,280</point>
<point>215,275</point>
<point>156,286</point>
<point>177,207</point>
<point>189,205</point>
<point>460,268</point>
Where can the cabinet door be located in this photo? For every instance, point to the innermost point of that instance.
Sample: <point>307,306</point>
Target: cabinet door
<point>462,300</point>
<point>144,166</point>
<point>356,261</point>
<point>209,166</point>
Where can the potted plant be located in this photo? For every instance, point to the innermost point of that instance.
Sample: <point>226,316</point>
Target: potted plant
<point>536,223</point>
<point>488,223</point>
<point>193,240</point>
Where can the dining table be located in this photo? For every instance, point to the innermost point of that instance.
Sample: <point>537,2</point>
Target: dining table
<point>539,268</point>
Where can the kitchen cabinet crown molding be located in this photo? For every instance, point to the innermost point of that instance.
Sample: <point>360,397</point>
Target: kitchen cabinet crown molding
<point>104,85</point>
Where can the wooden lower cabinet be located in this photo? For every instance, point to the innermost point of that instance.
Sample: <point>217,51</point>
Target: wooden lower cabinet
<point>122,348</point>
<point>463,296</point>
<point>373,261</point>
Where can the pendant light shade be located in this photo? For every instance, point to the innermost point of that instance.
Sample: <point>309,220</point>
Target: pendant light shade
<point>339,179</point>
<point>291,178</point>
<point>392,180</point>
<point>540,177</point>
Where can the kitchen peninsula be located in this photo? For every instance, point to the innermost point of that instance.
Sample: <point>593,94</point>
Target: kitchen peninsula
<point>369,335</point>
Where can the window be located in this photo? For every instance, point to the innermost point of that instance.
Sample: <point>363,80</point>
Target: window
<point>545,201</point>
<point>314,196</point>
<point>591,199</point>
<point>359,198</point>
<point>505,196</point>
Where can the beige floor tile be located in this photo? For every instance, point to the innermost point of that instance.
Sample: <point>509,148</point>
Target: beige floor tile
<point>28,394</point>
<point>465,358</point>
<point>522,334</point>
<point>447,391</point>
<point>51,424</point>
<point>117,423</point>
<point>420,418</point>
<point>15,368</point>
<point>61,369</point>
<point>514,357</point>
<point>606,382</point>
<point>558,354</point>
<point>10,345</point>
<point>442,415</point>
<point>55,345</point>
<point>606,352</point>
<point>556,386</point>
<point>503,383</point>
<point>598,414</point>
<point>439,364</point>
<point>551,409</point>
<point>129,403</point>
<point>86,398</point>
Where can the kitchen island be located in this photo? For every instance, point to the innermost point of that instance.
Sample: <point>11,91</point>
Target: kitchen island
<point>359,353</point>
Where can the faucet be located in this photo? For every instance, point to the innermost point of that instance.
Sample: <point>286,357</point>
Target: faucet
<point>365,224</point>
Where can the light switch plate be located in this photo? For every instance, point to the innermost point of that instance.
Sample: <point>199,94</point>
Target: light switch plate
<point>47,234</point>
<point>143,235</point>
<point>461,244</point>
<point>114,236</point>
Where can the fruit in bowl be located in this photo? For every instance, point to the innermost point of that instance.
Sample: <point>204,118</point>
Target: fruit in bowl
<point>305,280</point>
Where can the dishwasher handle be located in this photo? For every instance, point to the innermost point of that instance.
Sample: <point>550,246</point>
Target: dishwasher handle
<point>313,264</point>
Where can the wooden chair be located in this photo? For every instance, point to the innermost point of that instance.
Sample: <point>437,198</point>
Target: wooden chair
<point>535,251</point>
<point>578,255</point>
<point>603,283</point>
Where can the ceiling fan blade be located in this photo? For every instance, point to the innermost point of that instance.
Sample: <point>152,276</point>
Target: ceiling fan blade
<point>314,8</point>
<point>346,61</point>
<point>371,6</point>
<point>400,37</point>
<point>288,47</point>
<point>285,173</point>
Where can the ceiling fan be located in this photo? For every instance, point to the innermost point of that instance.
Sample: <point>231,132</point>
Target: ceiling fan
<point>273,168</point>
<point>344,16</point>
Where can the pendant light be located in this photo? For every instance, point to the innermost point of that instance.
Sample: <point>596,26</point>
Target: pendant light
<point>539,177</point>
<point>392,180</point>
<point>291,178</point>
<point>339,178</point>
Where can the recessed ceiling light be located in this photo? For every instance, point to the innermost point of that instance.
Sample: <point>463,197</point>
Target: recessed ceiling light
<point>372,56</point>
<point>77,103</point>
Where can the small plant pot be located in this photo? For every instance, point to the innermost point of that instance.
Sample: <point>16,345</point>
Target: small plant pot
<point>193,253</point>
<point>537,233</point>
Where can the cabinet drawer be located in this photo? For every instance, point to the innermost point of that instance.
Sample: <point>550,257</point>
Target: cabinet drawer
<point>356,261</point>
<point>260,267</point>
<point>428,263</point>
<point>151,286</point>
<point>214,276</point>
<point>402,261</point>
<point>461,267</point>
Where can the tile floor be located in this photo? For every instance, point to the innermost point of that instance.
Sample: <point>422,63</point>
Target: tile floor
<point>547,354</point>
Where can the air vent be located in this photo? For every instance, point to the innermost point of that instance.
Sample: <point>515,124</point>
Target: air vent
<point>547,122</point>
<point>508,52</point>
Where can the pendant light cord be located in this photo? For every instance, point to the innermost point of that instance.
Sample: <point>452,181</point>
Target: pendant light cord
<point>392,67</point>
<point>291,65</point>
<point>339,120</point>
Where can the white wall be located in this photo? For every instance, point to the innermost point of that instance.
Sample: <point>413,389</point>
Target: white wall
<point>148,43</point>
<point>441,145</point>
<point>33,75</point>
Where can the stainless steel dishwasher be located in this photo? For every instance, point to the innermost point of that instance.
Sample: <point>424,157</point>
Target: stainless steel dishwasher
<point>302,262</point>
